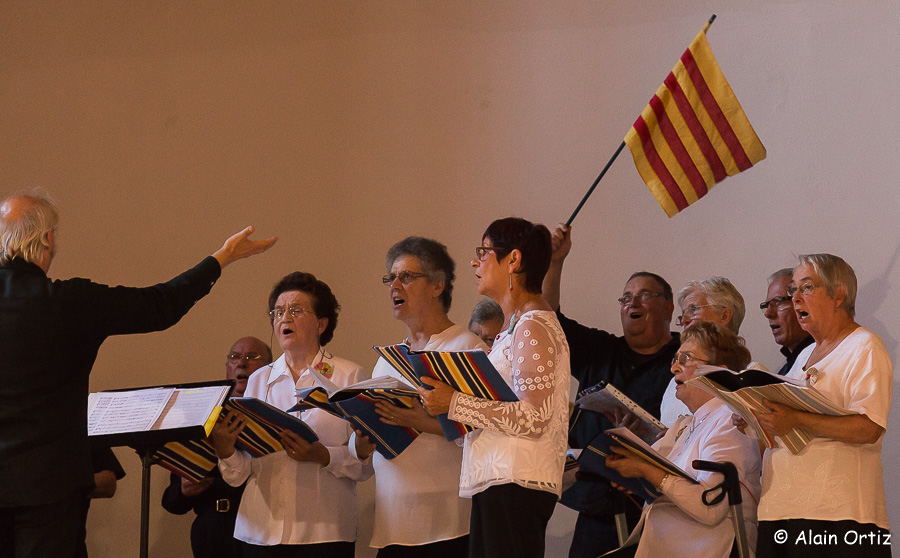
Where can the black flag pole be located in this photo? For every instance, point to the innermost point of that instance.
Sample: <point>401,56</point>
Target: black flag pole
<point>594,185</point>
<point>613,158</point>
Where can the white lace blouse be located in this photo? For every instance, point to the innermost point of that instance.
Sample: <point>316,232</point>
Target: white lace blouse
<point>522,442</point>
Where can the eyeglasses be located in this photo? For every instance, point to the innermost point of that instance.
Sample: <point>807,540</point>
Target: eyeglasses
<point>642,297</point>
<point>248,358</point>
<point>805,289</point>
<point>482,251</point>
<point>295,311</point>
<point>406,277</point>
<point>684,358</point>
<point>690,312</point>
<point>776,301</point>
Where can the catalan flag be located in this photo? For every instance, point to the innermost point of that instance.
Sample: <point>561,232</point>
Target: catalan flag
<point>694,133</point>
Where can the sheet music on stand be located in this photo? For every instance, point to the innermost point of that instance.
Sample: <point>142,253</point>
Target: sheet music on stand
<point>190,409</point>
<point>148,418</point>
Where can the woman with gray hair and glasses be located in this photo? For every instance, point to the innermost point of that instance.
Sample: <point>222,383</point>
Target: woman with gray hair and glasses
<point>831,491</point>
<point>418,511</point>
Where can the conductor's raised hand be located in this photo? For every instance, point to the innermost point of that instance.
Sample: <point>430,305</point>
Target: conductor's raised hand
<point>561,240</point>
<point>436,401</point>
<point>240,246</point>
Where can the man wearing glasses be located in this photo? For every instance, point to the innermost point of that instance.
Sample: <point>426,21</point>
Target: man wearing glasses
<point>779,310</point>
<point>637,363</point>
<point>246,356</point>
<point>213,500</point>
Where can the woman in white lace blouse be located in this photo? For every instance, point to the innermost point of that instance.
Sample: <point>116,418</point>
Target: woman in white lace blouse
<point>513,462</point>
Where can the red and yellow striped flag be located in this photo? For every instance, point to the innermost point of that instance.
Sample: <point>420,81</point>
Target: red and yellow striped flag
<point>694,133</point>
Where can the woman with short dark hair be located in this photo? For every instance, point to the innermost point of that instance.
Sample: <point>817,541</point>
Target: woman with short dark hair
<point>300,502</point>
<point>513,460</point>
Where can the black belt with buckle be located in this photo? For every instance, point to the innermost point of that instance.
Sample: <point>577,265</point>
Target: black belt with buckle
<point>223,505</point>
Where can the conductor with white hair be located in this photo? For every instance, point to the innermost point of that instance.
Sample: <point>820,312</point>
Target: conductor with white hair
<point>50,333</point>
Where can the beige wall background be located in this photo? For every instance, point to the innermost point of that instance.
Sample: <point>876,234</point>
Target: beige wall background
<point>341,127</point>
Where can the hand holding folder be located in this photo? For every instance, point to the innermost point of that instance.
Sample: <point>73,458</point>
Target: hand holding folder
<point>469,372</point>
<point>358,404</point>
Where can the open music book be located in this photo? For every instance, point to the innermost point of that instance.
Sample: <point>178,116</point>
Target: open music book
<point>605,398</point>
<point>356,404</point>
<point>469,372</point>
<point>745,391</point>
<point>593,461</point>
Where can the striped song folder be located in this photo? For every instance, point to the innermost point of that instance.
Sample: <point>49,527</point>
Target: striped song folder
<point>469,372</point>
<point>194,459</point>
<point>260,434</point>
<point>745,391</point>
<point>356,405</point>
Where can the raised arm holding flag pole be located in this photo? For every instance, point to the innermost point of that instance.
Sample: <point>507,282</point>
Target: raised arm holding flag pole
<point>692,135</point>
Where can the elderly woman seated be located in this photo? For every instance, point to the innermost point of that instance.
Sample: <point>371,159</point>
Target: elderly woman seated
<point>678,523</point>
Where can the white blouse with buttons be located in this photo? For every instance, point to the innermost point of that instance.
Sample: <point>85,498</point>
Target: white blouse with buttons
<point>288,502</point>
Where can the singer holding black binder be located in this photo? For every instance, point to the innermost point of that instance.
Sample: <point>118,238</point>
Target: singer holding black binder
<point>51,333</point>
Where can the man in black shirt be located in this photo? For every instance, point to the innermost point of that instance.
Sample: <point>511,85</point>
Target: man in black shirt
<point>50,333</point>
<point>637,363</point>
<point>214,501</point>
<point>779,310</point>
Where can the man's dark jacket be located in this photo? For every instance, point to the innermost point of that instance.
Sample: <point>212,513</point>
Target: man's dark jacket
<point>50,332</point>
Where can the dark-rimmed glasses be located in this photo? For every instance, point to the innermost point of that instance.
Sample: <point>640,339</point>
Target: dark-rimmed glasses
<point>776,301</point>
<point>482,251</point>
<point>690,312</point>
<point>295,311</point>
<point>643,297</point>
<point>248,358</point>
<point>684,358</point>
<point>406,277</point>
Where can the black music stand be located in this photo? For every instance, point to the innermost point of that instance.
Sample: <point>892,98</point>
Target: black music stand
<point>147,443</point>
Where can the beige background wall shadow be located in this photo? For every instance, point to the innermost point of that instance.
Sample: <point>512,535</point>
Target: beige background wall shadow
<point>162,127</point>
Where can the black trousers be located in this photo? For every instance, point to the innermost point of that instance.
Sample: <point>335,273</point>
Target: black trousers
<point>509,521</point>
<point>453,548</point>
<point>595,535</point>
<point>42,531</point>
<point>340,549</point>
<point>212,535</point>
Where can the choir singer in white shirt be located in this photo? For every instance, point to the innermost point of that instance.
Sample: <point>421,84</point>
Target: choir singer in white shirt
<point>300,502</point>
<point>678,524</point>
